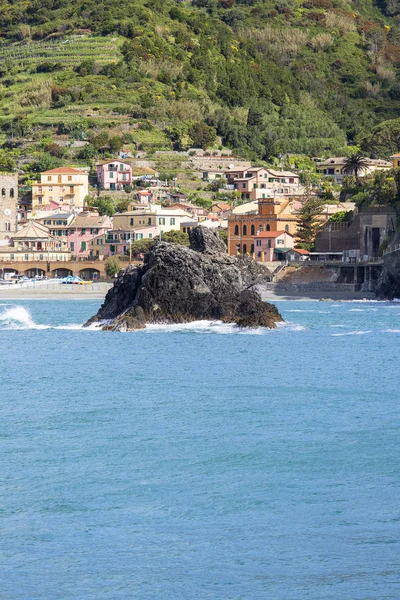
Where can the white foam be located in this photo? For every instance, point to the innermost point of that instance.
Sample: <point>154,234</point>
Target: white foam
<point>17,317</point>
<point>391,330</point>
<point>351,333</point>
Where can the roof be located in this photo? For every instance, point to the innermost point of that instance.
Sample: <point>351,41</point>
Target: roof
<point>143,193</point>
<point>64,171</point>
<point>395,156</point>
<point>300,250</point>
<point>32,230</point>
<point>222,205</point>
<point>271,234</point>
<point>109,162</point>
<point>90,220</point>
<point>340,160</point>
<point>282,173</point>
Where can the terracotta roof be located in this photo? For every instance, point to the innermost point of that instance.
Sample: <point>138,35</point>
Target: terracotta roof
<point>222,205</point>
<point>282,173</point>
<point>300,250</point>
<point>65,171</point>
<point>271,234</point>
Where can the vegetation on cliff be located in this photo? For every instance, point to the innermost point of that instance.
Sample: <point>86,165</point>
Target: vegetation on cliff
<point>266,77</point>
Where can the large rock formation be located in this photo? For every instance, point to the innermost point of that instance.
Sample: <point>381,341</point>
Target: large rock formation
<point>178,285</point>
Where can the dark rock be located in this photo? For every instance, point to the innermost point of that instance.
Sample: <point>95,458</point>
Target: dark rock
<point>178,285</point>
<point>206,240</point>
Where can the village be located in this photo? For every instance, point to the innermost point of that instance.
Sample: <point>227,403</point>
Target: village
<point>57,230</point>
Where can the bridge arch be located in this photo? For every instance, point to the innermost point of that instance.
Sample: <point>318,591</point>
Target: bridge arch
<point>32,272</point>
<point>89,273</point>
<point>61,272</point>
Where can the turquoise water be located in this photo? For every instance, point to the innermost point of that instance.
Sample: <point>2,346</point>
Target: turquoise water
<point>196,462</point>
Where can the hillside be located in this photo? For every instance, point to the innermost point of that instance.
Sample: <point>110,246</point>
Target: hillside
<point>266,77</point>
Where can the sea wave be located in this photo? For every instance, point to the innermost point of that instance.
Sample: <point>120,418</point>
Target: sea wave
<point>351,333</point>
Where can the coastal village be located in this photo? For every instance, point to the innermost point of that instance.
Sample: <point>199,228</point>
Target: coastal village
<point>59,226</point>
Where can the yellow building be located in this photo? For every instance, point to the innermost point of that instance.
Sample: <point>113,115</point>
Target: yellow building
<point>63,187</point>
<point>396,160</point>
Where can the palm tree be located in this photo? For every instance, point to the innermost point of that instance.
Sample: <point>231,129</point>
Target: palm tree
<point>355,163</point>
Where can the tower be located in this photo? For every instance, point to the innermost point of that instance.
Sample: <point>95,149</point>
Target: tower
<point>8,204</point>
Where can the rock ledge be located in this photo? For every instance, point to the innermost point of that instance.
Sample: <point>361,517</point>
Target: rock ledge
<point>177,284</point>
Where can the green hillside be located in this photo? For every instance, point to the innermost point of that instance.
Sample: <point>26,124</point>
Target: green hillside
<point>263,77</point>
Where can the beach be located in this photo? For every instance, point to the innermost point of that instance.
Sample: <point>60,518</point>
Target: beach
<point>54,290</point>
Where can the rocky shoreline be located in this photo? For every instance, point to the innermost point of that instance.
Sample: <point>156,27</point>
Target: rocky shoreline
<point>177,284</point>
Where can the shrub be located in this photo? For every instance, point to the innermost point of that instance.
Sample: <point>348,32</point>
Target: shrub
<point>112,266</point>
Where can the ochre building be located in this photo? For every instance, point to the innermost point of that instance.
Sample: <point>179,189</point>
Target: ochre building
<point>273,215</point>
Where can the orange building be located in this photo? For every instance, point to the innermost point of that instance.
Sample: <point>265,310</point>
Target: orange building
<point>273,215</point>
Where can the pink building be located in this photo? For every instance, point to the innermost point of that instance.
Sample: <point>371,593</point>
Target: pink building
<point>79,232</point>
<point>117,241</point>
<point>114,175</point>
<point>272,245</point>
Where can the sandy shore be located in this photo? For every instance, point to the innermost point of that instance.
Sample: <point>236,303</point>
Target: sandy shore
<point>51,290</point>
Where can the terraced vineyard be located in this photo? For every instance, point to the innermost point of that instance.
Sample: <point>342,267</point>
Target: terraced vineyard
<point>68,51</point>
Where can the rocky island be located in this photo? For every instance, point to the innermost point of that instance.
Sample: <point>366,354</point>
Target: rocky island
<point>177,284</point>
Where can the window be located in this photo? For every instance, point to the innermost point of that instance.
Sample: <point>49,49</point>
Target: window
<point>111,175</point>
<point>3,192</point>
<point>41,257</point>
<point>244,229</point>
<point>12,193</point>
<point>252,249</point>
<point>26,256</point>
<point>69,177</point>
<point>59,232</point>
<point>7,227</point>
<point>252,229</point>
<point>244,248</point>
<point>59,179</point>
<point>150,236</point>
<point>280,242</point>
<point>121,167</point>
<point>161,221</point>
<point>260,227</point>
<point>72,245</point>
<point>83,246</point>
<point>258,243</point>
<point>131,221</point>
<point>11,256</point>
<point>236,230</point>
<point>268,228</point>
<point>71,189</point>
<point>83,232</point>
<point>48,177</point>
<point>172,221</point>
<point>123,176</point>
<point>50,188</point>
<point>40,200</point>
<point>286,227</point>
<point>149,221</point>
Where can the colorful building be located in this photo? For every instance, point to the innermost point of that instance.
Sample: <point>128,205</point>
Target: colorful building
<point>272,245</point>
<point>334,167</point>
<point>273,215</point>
<point>114,175</point>
<point>258,183</point>
<point>117,241</point>
<point>396,160</point>
<point>63,187</point>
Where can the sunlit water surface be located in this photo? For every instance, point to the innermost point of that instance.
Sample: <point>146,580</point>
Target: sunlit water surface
<point>194,462</point>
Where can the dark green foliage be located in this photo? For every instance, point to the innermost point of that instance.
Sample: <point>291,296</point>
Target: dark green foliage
<point>268,77</point>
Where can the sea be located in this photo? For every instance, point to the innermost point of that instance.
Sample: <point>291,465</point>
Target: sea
<point>200,461</point>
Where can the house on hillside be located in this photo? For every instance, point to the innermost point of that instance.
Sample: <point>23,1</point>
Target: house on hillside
<point>396,160</point>
<point>334,167</point>
<point>62,187</point>
<point>114,174</point>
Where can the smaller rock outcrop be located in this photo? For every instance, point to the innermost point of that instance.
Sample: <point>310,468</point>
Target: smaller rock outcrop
<point>177,284</point>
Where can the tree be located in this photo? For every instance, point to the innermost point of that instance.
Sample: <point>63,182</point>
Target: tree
<point>202,135</point>
<point>176,237</point>
<point>385,137</point>
<point>355,163</point>
<point>308,222</point>
<point>112,266</point>
<point>105,206</point>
